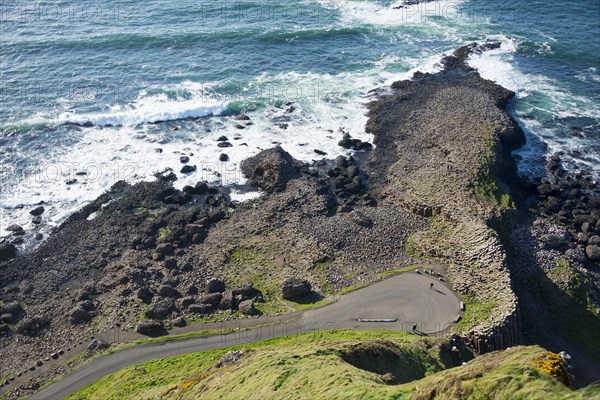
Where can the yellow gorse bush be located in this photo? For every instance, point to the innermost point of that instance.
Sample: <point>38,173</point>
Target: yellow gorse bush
<point>554,365</point>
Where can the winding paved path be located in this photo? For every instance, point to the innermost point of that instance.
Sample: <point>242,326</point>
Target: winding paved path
<point>406,299</point>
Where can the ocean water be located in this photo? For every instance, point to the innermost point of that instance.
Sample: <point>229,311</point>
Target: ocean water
<point>120,90</point>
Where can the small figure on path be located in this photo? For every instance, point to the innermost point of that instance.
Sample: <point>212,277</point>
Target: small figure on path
<point>414,328</point>
<point>431,286</point>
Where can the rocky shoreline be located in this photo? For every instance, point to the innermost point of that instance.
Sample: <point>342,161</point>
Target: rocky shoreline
<point>440,186</point>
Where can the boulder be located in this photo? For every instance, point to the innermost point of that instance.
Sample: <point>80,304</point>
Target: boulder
<point>360,219</point>
<point>201,308</point>
<point>211,298</point>
<point>79,316</point>
<point>170,263</point>
<point>186,301</point>
<point>164,248</point>
<point>270,169</point>
<point>186,169</point>
<point>169,291</point>
<point>97,344</point>
<point>8,251</point>
<point>223,157</point>
<point>16,309</point>
<point>86,305</point>
<point>554,242</point>
<point>179,322</point>
<point>32,325</point>
<point>37,211</point>
<point>245,290</point>
<point>162,309</point>
<point>149,327</point>
<point>295,287</point>
<point>593,252</point>
<point>594,240</point>
<point>184,159</point>
<point>246,307</point>
<point>215,285</point>
<point>145,295</point>
<point>227,301</point>
<point>7,318</point>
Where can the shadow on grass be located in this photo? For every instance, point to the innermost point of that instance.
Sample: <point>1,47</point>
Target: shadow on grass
<point>311,298</point>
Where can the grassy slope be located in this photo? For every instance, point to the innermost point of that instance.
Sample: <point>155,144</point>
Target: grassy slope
<point>322,366</point>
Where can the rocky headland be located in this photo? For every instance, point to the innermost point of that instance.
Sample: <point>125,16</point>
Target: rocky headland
<point>439,187</point>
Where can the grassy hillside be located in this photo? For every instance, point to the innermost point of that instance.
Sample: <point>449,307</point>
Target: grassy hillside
<point>338,365</point>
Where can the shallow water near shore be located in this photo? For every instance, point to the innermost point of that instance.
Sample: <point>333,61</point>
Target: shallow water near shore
<point>100,93</point>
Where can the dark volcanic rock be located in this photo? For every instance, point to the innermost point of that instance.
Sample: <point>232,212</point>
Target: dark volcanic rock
<point>79,316</point>
<point>245,290</point>
<point>8,251</point>
<point>145,295</point>
<point>97,344</point>
<point>247,307</point>
<point>186,169</point>
<point>179,322</point>
<point>593,252</point>
<point>270,169</point>
<point>149,327</point>
<point>162,309</point>
<point>295,287</point>
<point>16,309</point>
<point>212,298</point>
<point>33,325</point>
<point>169,291</point>
<point>215,286</point>
<point>37,211</point>
<point>227,301</point>
<point>201,308</point>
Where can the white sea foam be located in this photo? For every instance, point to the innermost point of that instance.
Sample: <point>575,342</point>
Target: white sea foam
<point>147,110</point>
<point>365,12</point>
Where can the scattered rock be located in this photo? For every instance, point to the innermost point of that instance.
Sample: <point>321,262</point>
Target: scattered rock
<point>32,325</point>
<point>270,169</point>
<point>201,308</point>
<point>223,157</point>
<point>184,159</point>
<point>245,290</point>
<point>215,285</point>
<point>162,309</point>
<point>179,322</point>
<point>79,316</point>
<point>97,344</point>
<point>212,298</point>
<point>593,252</point>
<point>145,295</point>
<point>149,327</point>
<point>37,211</point>
<point>295,287</point>
<point>186,169</point>
<point>8,251</point>
<point>169,291</point>
<point>247,307</point>
<point>224,144</point>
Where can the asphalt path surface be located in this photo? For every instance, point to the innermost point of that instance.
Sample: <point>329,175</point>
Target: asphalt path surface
<point>401,301</point>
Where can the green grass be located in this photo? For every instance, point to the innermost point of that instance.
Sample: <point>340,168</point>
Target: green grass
<point>336,365</point>
<point>163,233</point>
<point>563,291</point>
<point>475,313</point>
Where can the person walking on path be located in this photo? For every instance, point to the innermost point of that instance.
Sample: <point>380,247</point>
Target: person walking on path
<point>431,286</point>
<point>414,328</point>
